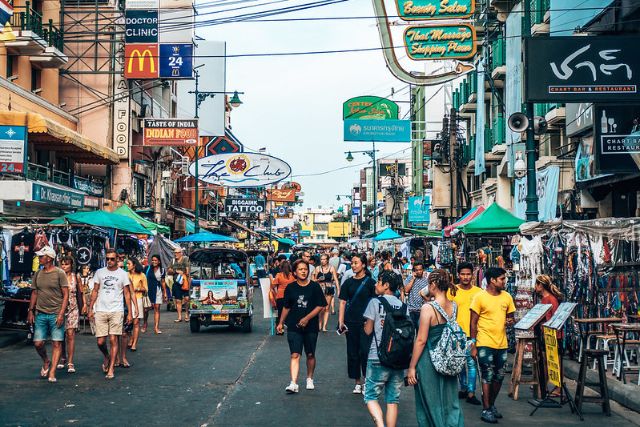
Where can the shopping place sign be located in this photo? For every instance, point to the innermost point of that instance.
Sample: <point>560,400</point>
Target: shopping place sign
<point>370,107</point>
<point>582,69</point>
<point>421,10</point>
<point>241,169</point>
<point>377,130</point>
<point>438,42</point>
<point>13,149</point>
<point>170,132</point>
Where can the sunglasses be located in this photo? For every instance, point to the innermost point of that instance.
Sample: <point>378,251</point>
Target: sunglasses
<point>111,258</point>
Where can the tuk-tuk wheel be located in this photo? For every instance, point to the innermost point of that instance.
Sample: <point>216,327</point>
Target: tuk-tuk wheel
<point>194,324</point>
<point>246,324</point>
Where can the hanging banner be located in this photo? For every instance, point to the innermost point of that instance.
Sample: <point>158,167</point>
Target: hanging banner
<point>13,149</point>
<point>421,10</point>
<point>455,41</point>
<point>589,68</point>
<point>617,138</point>
<point>547,184</point>
<point>419,207</point>
<point>170,132</point>
<point>553,357</point>
<point>241,169</point>
<point>371,108</point>
<point>377,130</point>
<point>579,118</point>
<point>479,163</point>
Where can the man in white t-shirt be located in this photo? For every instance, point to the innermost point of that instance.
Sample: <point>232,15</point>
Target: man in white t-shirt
<point>111,290</point>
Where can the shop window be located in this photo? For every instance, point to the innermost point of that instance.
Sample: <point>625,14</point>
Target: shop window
<point>36,81</point>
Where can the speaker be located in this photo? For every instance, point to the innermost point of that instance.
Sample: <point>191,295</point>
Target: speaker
<point>518,122</point>
<point>539,125</point>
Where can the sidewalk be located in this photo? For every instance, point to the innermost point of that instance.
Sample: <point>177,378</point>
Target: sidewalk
<point>9,338</point>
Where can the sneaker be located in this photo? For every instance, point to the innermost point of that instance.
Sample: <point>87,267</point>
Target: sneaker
<point>291,388</point>
<point>310,385</point>
<point>495,412</point>
<point>488,417</point>
<point>473,400</point>
<point>462,394</point>
<point>357,389</point>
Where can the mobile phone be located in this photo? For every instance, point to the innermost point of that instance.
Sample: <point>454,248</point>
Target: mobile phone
<point>341,331</point>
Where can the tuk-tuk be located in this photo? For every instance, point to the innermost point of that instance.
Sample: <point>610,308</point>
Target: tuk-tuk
<point>253,272</point>
<point>219,293</point>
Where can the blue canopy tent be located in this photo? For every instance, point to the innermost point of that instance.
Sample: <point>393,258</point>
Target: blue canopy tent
<point>387,234</point>
<point>206,237</point>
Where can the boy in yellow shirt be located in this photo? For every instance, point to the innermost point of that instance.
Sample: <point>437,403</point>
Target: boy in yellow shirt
<point>465,294</point>
<point>491,311</point>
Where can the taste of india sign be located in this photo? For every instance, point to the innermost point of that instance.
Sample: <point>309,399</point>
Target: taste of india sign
<point>456,41</point>
<point>419,10</point>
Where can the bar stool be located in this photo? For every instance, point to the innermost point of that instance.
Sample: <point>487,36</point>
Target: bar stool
<point>603,398</point>
<point>602,343</point>
<point>516,376</point>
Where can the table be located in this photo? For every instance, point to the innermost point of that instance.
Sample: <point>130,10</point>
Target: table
<point>623,329</point>
<point>600,324</point>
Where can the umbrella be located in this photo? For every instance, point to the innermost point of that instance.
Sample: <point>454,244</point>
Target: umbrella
<point>103,219</point>
<point>206,236</point>
<point>387,234</point>
<point>149,225</point>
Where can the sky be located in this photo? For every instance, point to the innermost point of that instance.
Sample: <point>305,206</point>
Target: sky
<point>292,105</point>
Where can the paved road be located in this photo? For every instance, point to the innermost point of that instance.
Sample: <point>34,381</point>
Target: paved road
<point>218,377</point>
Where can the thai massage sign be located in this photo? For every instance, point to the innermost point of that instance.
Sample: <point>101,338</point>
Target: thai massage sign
<point>456,41</point>
<point>241,169</point>
<point>411,10</point>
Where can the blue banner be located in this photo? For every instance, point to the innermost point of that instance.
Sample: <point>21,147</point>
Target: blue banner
<point>377,130</point>
<point>547,182</point>
<point>419,209</point>
<point>176,61</point>
<point>479,167</point>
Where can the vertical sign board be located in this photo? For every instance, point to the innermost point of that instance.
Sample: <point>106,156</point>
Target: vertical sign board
<point>121,108</point>
<point>13,149</point>
<point>553,358</point>
<point>419,207</point>
<point>617,138</point>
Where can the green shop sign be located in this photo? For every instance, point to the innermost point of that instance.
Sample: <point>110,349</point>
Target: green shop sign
<point>370,108</point>
<point>456,41</point>
<point>57,196</point>
<point>418,10</point>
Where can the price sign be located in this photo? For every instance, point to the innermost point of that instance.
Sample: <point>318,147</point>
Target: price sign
<point>553,358</point>
<point>561,315</point>
<point>534,316</point>
<point>176,61</point>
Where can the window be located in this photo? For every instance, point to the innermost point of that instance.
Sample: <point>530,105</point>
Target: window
<point>36,80</point>
<point>12,65</point>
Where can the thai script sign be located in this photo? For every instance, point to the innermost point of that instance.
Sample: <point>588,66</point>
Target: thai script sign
<point>418,10</point>
<point>170,132</point>
<point>440,42</point>
<point>369,107</point>
<point>241,169</point>
<point>377,130</point>
<point>419,207</point>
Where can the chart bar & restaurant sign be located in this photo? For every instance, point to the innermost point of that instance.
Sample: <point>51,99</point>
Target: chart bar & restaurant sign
<point>438,42</point>
<point>170,132</point>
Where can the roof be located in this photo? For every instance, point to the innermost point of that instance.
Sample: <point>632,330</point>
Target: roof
<point>387,234</point>
<point>103,219</point>
<point>149,225</point>
<point>494,220</point>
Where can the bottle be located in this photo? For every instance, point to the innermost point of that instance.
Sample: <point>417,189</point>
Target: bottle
<point>604,127</point>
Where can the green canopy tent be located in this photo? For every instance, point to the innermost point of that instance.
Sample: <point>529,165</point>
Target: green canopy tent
<point>102,219</point>
<point>494,220</point>
<point>387,234</point>
<point>149,225</point>
<point>435,234</point>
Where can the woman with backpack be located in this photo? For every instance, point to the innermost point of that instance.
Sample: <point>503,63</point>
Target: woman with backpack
<point>437,401</point>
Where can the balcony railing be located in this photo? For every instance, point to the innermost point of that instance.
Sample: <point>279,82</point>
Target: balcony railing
<point>498,53</point>
<point>538,9</point>
<point>37,172</point>
<point>26,19</point>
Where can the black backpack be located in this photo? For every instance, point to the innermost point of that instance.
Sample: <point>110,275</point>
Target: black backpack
<point>398,333</point>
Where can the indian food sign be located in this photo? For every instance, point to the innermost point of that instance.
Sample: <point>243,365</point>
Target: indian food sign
<point>438,42</point>
<point>170,132</point>
<point>418,10</point>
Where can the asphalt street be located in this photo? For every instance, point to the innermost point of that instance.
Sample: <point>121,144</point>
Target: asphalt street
<point>218,377</point>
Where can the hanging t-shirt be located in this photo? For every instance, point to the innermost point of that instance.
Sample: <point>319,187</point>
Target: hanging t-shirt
<point>22,252</point>
<point>357,300</point>
<point>302,300</point>
<point>111,293</point>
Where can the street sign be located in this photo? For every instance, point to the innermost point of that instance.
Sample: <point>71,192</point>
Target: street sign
<point>13,149</point>
<point>141,26</point>
<point>176,61</point>
<point>141,61</point>
<point>421,10</point>
<point>170,132</point>
<point>377,130</point>
<point>454,41</point>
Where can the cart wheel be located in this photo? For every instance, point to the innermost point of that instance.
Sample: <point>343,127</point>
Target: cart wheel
<point>194,324</point>
<point>246,324</point>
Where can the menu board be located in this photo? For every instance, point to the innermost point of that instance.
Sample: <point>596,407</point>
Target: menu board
<point>561,315</point>
<point>533,316</point>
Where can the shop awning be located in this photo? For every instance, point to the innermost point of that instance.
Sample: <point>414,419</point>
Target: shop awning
<point>387,234</point>
<point>149,225</point>
<point>421,233</point>
<point>494,220</point>
<point>206,237</point>
<point>43,130</point>
<point>466,218</point>
<point>102,219</point>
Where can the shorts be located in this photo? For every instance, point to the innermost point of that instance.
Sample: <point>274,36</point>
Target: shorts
<point>140,308</point>
<point>177,292</point>
<point>379,377</point>
<point>298,340</point>
<point>109,323</point>
<point>261,273</point>
<point>329,290</point>
<point>45,327</point>
<point>492,361</point>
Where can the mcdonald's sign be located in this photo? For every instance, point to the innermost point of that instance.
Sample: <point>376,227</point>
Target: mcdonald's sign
<point>141,61</point>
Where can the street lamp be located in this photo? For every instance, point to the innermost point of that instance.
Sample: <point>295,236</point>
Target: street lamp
<point>372,154</point>
<point>200,96</point>
<point>344,195</point>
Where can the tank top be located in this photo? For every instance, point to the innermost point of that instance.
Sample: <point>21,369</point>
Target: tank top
<point>324,277</point>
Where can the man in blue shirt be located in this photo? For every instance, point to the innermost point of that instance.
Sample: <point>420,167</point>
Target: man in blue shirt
<point>260,263</point>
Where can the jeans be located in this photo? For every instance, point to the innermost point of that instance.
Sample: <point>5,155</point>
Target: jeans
<point>358,344</point>
<point>467,378</point>
<point>492,361</point>
<point>415,318</point>
<point>45,327</point>
<point>379,377</point>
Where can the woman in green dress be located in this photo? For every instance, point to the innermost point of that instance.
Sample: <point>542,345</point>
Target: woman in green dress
<point>437,401</point>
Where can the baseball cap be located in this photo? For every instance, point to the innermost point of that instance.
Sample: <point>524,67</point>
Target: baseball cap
<point>48,251</point>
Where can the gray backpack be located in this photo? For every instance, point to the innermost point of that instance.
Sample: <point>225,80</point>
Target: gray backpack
<point>449,355</point>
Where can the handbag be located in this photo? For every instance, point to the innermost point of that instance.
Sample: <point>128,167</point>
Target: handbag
<point>183,281</point>
<point>146,302</point>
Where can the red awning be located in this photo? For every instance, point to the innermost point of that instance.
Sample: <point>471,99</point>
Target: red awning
<point>469,216</point>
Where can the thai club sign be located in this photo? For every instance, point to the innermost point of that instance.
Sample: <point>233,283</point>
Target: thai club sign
<point>576,69</point>
<point>241,169</point>
<point>170,132</point>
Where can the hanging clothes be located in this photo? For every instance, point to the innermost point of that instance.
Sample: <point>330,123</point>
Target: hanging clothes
<point>22,249</point>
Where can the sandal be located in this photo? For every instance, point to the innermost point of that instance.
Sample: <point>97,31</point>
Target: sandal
<point>53,380</point>
<point>177,321</point>
<point>143,330</point>
<point>133,349</point>
<point>44,373</point>
<point>71,368</point>
<point>109,376</point>
<point>105,368</point>
<point>125,365</point>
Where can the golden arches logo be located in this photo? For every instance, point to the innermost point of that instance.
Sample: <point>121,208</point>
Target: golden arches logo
<point>141,57</point>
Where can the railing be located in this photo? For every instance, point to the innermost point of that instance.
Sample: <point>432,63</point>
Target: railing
<point>26,19</point>
<point>37,172</point>
<point>60,177</point>
<point>498,53</point>
<point>538,9</point>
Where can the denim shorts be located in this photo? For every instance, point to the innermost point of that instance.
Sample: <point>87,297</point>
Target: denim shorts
<point>45,327</point>
<point>492,361</point>
<point>379,377</point>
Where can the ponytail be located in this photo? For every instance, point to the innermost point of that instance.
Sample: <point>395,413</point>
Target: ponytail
<point>442,279</point>
<point>548,285</point>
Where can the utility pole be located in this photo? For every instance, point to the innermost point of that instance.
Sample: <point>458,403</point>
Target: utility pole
<point>453,168</point>
<point>375,189</point>
<point>530,147</point>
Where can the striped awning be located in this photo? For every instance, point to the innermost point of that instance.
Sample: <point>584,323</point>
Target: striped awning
<point>471,215</point>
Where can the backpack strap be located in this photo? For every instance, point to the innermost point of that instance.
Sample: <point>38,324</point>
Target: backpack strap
<point>440,310</point>
<point>388,308</point>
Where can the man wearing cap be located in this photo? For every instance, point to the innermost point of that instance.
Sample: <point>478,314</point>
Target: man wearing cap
<point>180,270</point>
<point>47,308</point>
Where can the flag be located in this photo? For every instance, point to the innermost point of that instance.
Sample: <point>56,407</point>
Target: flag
<point>6,12</point>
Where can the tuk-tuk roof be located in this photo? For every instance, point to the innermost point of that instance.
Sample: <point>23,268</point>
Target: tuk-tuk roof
<point>218,255</point>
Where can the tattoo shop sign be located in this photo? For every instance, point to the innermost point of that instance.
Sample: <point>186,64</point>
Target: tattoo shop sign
<point>241,169</point>
<point>243,207</point>
<point>576,69</point>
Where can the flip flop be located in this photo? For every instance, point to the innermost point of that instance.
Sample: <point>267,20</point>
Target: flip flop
<point>133,349</point>
<point>158,332</point>
<point>105,368</point>
<point>44,373</point>
<point>109,376</point>
<point>125,365</point>
<point>53,380</point>
<point>177,321</point>
<point>71,368</point>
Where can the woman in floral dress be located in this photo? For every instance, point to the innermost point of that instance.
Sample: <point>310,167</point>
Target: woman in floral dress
<point>73,312</point>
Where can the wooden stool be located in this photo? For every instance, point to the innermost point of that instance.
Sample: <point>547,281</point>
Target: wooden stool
<point>603,398</point>
<point>516,376</point>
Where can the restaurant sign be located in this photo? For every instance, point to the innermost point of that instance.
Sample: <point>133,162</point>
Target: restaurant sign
<point>241,169</point>
<point>170,132</point>
<point>617,138</point>
<point>57,196</point>
<point>420,10</point>
<point>454,41</point>
<point>287,195</point>
<point>369,107</point>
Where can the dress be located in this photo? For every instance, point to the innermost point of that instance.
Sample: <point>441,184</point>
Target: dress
<point>437,401</point>
<point>73,313</point>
